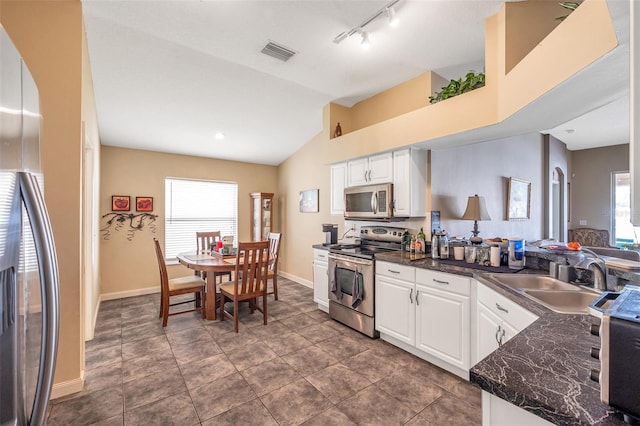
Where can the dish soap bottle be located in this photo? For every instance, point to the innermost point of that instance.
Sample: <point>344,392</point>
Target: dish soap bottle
<point>421,240</point>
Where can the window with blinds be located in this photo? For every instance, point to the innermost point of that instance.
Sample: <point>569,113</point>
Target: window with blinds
<point>197,206</point>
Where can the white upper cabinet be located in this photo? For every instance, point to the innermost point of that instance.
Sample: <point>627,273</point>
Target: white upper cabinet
<point>410,182</point>
<point>338,183</point>
<point>370,170</point>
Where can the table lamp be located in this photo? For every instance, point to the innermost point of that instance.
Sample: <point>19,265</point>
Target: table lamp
<point>476,210</point>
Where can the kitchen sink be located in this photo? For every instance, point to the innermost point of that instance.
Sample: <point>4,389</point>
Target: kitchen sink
<point>536,282</point>
<point>556,295</point>
<point>563,301</point>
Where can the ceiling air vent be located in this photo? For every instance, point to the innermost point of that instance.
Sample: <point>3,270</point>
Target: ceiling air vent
<point>278,51</point>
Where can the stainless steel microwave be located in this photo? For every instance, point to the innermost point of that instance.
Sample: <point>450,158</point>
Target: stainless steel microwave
<point>369,201</point>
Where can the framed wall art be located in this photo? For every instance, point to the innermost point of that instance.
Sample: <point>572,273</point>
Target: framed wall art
<point>144,204</point>
<point>519,200</point>
<point>120,203</point>
<point>309,201</point>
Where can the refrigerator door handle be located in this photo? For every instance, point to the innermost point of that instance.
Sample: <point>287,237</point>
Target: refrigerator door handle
<point>48,267</point>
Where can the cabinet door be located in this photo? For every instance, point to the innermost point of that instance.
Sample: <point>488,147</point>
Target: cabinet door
<point>442,325</point>
<point>320,283</point>
<point>357,172</point>
<point>410,182</point>
<point>395,308</point>
<point>338,183</point>
<point>381,168</point>
<point>488,329</point>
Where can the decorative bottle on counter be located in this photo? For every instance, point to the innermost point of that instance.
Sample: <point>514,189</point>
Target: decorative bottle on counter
<point>435,252</point>
<point>413,245</point>
<point>444,245</point>
<point>421,241</point>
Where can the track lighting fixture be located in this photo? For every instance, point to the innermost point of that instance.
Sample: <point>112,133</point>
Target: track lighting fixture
<point>387,9</point>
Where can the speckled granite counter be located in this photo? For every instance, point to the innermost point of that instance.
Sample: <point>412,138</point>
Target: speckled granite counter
<point>544,369</point>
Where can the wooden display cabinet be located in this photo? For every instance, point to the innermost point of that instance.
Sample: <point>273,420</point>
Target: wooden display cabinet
<point>261,215</point>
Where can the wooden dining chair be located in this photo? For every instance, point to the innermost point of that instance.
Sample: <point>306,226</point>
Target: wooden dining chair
<point>177,286</point>
<point>272,272</point>
<point>204,241</point>
<point>252,263</point>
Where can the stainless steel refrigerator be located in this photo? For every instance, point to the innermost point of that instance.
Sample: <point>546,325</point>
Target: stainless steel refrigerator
<point>28,265</point>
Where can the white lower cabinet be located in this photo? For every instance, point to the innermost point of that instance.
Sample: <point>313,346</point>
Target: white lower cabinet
<point>394,311</point>
<point>498,319</point>
<point>321,279</point>
<point>426,313</point>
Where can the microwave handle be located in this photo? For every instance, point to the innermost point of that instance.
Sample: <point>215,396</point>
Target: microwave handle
<point>374,202</point>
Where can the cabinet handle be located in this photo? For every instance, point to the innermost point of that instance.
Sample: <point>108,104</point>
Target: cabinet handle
<point>411,296</point>
<point>417,300</point>
<point>392,271</point>
<point>440,282</point>
<point>500,308</point>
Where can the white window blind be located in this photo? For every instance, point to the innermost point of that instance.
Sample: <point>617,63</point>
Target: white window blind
<point>195,206</point>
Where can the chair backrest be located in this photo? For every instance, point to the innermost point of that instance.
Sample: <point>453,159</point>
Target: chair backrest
<point>252,263</point>
<point>164,277</point>
<point>204,240</point>
<point>274,246</point>
<point>590,237</point>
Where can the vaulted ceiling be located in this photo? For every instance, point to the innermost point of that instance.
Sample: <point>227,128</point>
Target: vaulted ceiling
<point>169,75</point>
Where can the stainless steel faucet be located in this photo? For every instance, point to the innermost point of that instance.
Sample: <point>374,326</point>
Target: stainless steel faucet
<point>596,265</point>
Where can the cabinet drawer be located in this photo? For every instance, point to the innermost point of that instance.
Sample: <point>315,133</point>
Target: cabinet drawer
<point>506,309</point>
<point>447,282</point>
<point>393,270</point>
<point>320,255</point>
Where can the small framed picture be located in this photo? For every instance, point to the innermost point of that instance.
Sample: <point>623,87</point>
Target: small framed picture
<point>120,203</point>
<point>309,201</point>
<point>144,204</point>
<point>519,199</point>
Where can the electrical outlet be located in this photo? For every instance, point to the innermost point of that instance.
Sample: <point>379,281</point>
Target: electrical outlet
<point>583,222</point>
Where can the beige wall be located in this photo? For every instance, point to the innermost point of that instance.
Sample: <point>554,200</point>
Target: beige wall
<point>306,169</point>
<point>49,37</point>
<point>591,184</point>
<point>130,266</point>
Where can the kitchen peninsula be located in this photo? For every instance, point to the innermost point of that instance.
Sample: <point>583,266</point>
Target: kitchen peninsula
<point>544,370</point>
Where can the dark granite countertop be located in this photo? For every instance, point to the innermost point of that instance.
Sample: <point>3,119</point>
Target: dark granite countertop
<point>320,246</point>
<point>545,369</point>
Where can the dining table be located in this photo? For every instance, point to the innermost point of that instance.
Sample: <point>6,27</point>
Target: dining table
<point>213,265</point>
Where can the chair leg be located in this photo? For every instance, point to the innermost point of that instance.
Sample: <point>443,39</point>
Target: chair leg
<point>203,296</point>
<point>198,300</point>
<point>264,307</point>
<point>221,307</point>
<point>165,312</point>
<point>235,315</point>
<point>161,306</point>
<point>275,286</point>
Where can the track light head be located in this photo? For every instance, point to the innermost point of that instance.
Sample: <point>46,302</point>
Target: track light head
<point>365,43</point>
<point>393,19</point>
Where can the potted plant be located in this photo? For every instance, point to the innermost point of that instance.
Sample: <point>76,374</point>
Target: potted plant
<point>457,87</point>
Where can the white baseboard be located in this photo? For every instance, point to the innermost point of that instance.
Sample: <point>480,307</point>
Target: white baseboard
<point>129,293</point>
<point>68,387</point>
<point>299,280</point>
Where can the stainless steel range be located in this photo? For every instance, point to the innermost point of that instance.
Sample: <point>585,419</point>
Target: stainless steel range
<point>351,277</point>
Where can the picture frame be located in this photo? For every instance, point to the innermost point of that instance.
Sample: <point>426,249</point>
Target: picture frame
<point>309,201</point>
<point>144,204</point>
<point>519,199</point>
<point>120,203</point>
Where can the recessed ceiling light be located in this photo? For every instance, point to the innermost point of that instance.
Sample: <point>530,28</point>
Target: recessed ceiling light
<point>219,136</point>
<point>570,130</point>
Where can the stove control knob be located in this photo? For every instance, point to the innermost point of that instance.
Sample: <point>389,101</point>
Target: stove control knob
<point>595,375</point>
<point>595,329</point>
<point>595,353</point>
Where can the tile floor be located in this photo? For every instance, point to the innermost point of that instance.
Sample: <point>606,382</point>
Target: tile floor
<point>302,368</point>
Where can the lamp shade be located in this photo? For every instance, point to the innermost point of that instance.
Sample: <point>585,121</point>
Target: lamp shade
<point>476,209</point>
